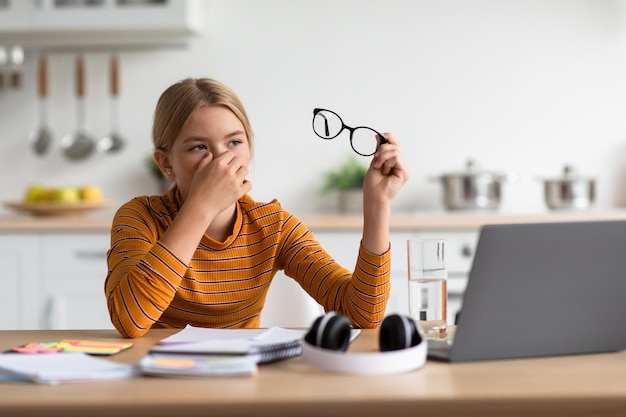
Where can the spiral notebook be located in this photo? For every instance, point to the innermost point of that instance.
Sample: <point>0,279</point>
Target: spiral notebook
<point>263,345</point>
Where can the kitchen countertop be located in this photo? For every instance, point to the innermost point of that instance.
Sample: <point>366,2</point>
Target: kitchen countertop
<point>436,220</point>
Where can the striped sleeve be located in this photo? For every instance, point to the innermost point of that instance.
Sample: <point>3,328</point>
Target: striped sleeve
<point>362,295</point>
<point>143,276</point>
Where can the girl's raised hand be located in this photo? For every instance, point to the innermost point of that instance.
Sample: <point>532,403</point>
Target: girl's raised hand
<point>387,173</point>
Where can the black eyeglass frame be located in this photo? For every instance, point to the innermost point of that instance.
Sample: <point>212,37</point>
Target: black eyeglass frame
<point>350,129</point>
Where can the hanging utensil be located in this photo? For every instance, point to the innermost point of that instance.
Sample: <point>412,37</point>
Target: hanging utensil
<point>80,144</point>
<point>114,141</point>
<point>41,137</point>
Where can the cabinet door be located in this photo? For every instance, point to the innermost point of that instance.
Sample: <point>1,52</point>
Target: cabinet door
<point>98,22</point>
<point>74,270</point>
<point>18,256</point>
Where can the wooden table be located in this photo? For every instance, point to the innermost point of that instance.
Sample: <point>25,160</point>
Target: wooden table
<point>559,386</point>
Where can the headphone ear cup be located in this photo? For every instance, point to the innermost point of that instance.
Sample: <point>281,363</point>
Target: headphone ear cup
<point>398,332</point>
<point>331,331</point>
<point>311,336</point>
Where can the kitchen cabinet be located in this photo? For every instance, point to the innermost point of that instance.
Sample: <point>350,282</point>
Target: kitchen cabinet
<point>73,252</point>
<point>53,280</point>
<point>19,280</point>
<point>58,23</point>
<point>73,272</point>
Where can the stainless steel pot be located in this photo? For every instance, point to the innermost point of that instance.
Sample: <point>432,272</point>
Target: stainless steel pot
<point>472,189</point>
<point>570,191</point>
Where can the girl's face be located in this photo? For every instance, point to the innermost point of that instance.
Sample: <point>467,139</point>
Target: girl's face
<point>213,129</point>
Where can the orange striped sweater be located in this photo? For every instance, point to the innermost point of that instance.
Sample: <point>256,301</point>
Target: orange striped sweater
<point>225,284</point>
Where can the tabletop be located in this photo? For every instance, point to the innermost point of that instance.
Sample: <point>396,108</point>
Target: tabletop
<point>582,385</point>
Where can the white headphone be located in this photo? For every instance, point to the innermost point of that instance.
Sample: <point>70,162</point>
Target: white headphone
<point>401,344</point>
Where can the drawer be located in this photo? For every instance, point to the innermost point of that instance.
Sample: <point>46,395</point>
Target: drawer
<point>75,254</point>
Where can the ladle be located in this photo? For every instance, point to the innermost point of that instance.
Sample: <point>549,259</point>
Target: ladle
<point>80,144</point>
<point>41,137</point>
<point>114,141</point>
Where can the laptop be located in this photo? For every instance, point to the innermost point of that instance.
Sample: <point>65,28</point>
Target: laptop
<point>542,290</point>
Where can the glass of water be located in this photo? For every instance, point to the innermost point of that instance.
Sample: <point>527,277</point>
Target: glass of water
<point>428,294</point>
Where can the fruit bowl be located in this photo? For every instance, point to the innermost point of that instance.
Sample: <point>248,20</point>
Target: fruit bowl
<point>57,208</point>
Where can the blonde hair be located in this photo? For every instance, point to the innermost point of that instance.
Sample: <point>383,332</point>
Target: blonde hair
<point>179,101</point>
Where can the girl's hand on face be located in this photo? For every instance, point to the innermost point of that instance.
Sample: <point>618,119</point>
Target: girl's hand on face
<point>387,173</point>
<point>219,181</point>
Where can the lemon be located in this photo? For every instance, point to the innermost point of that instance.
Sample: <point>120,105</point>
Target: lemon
<point>91,192</point>
<point>34,193</point>
<point>67,195</point>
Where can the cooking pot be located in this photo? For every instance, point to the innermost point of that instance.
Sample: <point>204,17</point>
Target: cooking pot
<point>570,191</point>
<point>471,189</point>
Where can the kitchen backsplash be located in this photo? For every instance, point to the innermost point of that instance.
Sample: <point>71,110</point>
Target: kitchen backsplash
<point>451,81</point>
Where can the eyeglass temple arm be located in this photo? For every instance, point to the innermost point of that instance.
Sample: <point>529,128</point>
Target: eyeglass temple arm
<point>326,128</point>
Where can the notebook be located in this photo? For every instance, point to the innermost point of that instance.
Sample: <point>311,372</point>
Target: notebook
<point>265,345</point>
<point>542,290</point>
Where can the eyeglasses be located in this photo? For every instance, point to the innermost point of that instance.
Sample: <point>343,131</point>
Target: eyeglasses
<point>328,125</point>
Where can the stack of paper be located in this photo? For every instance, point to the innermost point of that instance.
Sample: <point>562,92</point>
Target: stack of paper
<point>265,345</point>
<point>198,351</point>
<point>197,365</point>
<point>63,367</point>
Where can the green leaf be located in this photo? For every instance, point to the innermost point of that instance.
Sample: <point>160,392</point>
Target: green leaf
<point>153,167</point>
<point>350,175</point>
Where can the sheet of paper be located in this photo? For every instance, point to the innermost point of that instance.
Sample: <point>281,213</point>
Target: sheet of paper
<point>62,367</point>
<point>197,334</point>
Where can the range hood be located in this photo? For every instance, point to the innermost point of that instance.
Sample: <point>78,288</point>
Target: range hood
<point>58,24</point>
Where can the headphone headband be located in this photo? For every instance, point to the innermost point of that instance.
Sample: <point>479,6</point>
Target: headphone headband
<point>365,363</point>
<point>401,344</point>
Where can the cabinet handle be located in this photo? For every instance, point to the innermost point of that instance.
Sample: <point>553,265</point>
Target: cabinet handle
<point>56,313</point>
<point>90,254</point>
<point>467,251</point>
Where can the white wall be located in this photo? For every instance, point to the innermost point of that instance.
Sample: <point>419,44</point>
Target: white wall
<point>523,86</point>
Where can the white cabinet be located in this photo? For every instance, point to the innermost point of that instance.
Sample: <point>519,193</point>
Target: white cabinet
<point>53,280</point>
<point>98,22</point>
<point>19,280</point>
<point>73,272</point>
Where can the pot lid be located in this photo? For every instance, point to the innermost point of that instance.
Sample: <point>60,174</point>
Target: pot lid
<point>471,168</point>
<point>569,174</point>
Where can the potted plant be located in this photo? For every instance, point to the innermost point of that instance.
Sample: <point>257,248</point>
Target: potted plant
<point>347,181</point>
<point>163,181</point>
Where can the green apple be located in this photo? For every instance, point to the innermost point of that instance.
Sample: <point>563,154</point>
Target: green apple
<point>67,195</point>
<point>34,193</point>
